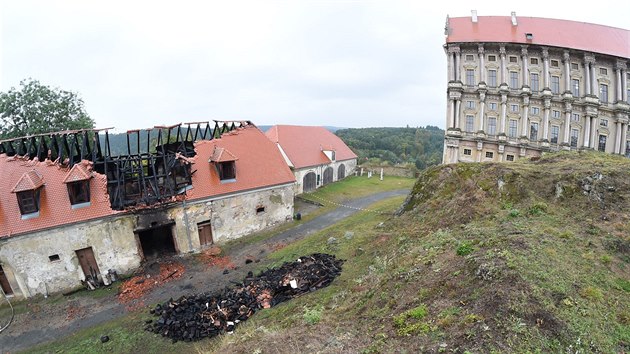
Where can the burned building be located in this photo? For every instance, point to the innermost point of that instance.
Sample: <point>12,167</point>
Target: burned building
<point>70,209</point>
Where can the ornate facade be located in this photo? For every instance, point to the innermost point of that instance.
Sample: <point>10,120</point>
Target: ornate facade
<point>520,86</point>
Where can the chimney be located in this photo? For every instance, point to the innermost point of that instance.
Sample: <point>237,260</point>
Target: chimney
<point>474,16</point>
<point>514,23</point>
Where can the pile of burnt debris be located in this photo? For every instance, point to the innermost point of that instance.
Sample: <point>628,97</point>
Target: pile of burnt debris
<point>194,317</point>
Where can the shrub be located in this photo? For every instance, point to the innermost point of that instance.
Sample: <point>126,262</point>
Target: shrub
<point>537,209</point>
<point>313,316</point>
<point>464,249</point>
<point>592,293</point>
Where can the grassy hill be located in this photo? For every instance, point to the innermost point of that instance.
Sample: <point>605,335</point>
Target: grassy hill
<point>526,257</point>
<point>522,257</point>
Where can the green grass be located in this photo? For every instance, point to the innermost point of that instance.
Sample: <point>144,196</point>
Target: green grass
<point>330,196</point>
<point>128,336</point>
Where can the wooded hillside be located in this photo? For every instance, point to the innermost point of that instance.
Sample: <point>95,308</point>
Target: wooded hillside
<point>420,146</point>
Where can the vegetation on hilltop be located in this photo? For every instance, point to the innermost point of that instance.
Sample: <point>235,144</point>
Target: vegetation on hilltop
<point>485,258</point>
<point>419,147</point>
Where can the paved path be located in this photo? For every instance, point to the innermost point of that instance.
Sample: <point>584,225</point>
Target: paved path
<point>33,328</point>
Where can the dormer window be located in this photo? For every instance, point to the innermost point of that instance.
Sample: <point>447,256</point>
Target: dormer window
<point>227,170</point>
<point>225,164</point>
<point>329,152</point>
<point>29,202</point>
<point>79,192</point>
<point>78,183</point>
<point>27,191</point>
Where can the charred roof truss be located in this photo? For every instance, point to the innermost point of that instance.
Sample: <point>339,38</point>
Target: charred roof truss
<point>155,168</point>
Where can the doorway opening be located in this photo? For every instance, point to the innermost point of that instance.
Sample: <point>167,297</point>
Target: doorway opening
<point>205,233</point>
<point>4,282</point>
<point>157,242</point>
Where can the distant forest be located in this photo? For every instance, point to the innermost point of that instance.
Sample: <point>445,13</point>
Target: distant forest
<point>421,147</point>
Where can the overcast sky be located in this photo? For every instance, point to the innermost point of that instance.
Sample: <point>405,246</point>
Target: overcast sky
<point>138,64</point>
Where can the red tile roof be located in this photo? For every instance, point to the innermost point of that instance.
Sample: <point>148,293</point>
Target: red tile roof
<point>304,145</point>
<point>78,172</point>
<point>29,181</point>
<point>55,207</point>
<point>259,164</point>
<point>549,32</point>
<point>221,155</point>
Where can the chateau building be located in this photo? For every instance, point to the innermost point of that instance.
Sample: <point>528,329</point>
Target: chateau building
<point>518,87</point>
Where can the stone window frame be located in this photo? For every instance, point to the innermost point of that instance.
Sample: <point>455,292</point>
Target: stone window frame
<point>533,131</point>
<point>556,129</point>
<point>492,79</point>
<point>509,157</point>
<point>492,58</point>
<point>554,63</point>
<point>533,61</point>
<point>469,57</point>
<point>467,152</point>
<point>470,123</point>
<point>489,154</point>
<point>494,130</point>
<point>555,84</point>
<point>513,128</point>
<point>574,137</point>
<point>512,59</point>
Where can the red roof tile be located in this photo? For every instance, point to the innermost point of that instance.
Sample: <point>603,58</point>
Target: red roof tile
<point>78,172</point>
<point>304,145</point>
<point>55,207</point>
<point>29,181</point>
<point>259,164</point>
<point>549,32</point>
<point>221,155</point>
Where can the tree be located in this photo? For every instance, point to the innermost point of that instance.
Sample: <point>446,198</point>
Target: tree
<point>38,109</point>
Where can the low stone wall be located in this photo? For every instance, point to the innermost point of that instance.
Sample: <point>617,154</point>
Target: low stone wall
<point>388,171</point>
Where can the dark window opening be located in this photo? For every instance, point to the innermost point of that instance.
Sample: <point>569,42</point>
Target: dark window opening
<point>157,242</point>
<point>54,257</point>
<point>489,154</point>
<point>4,282</point>
<point>79,192</point>
<point>510,157</point>
<point>260,210</point>
<point>602,143</point>
<point>28,201</point>
<point>467,152</point>
<point>227,170</point>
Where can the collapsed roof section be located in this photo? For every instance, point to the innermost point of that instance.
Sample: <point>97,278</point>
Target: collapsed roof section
<point>155,167</point>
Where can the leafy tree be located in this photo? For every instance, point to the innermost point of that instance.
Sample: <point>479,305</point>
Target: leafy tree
<point>36,109</point>
<point>421,147</point>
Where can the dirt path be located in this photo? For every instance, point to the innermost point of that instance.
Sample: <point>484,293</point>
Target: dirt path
<point>47,320</point>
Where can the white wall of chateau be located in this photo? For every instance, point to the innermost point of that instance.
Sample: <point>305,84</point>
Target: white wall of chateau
<point>350,166</point>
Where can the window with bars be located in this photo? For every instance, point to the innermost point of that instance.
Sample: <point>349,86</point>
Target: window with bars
<point>470,77</point>
<point>492,78</point>
<point>512,128</point>
<point>513,59</point>
<point>470,123</point>
<point>555,84</point>
<point>492,125</point>
<point>509,157</point>
<point>555,63</point>
<point>555,131</point>
<point>575,87</point>
<point>492,58</point>
<point>601,146</point>
<point>513,80</point>
<point>28,201</point>
<point>603,93</point>
<point>489,154</point>
<point>533,61</point>
<point>533,131</point>
<point>533,81</point>
<point>574,137</point>
<point>467,152</point>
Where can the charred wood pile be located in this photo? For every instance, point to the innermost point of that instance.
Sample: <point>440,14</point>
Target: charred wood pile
<point>191,318</point>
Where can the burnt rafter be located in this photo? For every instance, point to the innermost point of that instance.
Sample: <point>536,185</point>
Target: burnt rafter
<point>144,175</point>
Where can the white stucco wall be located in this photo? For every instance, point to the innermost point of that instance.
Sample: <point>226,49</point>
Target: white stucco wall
<point>319,170</point>
<point>25,258</point>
